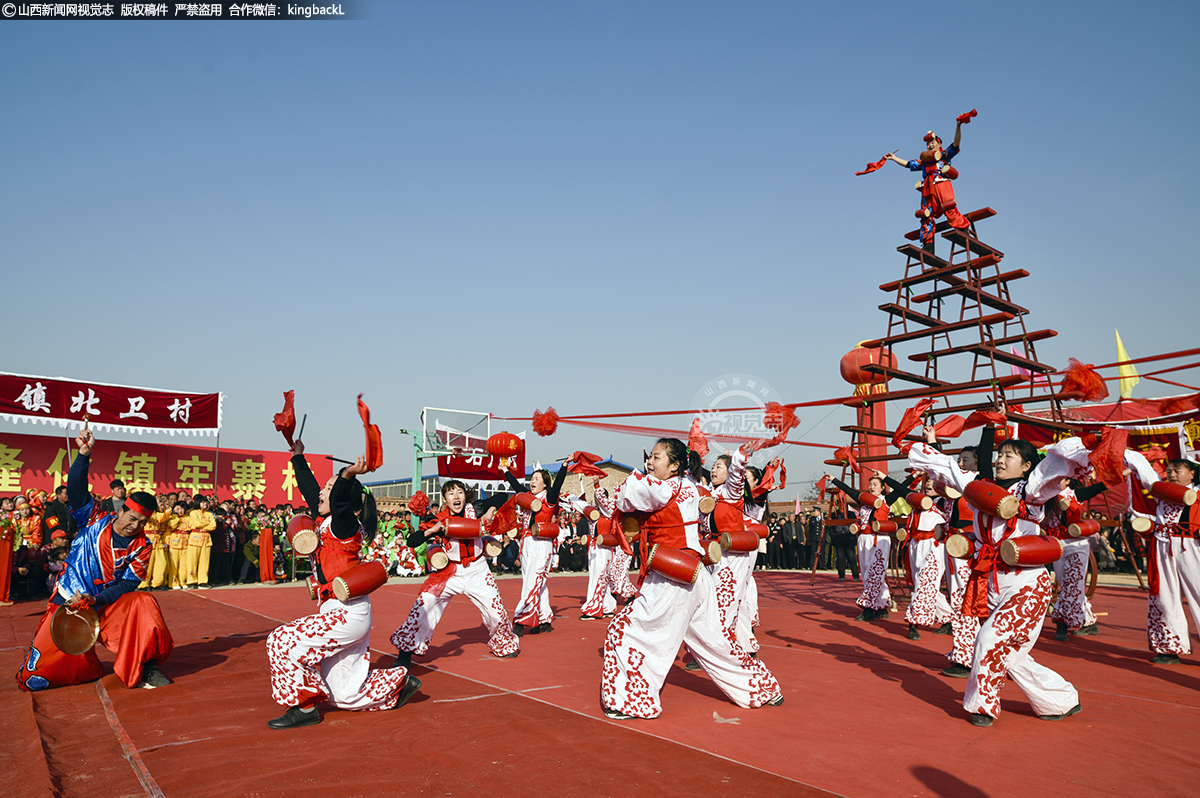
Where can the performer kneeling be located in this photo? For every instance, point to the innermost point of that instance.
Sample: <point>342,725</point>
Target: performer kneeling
<point>467,573</point>
<point>327,656</point>
<point>642,640</point>
<point>108,560</point>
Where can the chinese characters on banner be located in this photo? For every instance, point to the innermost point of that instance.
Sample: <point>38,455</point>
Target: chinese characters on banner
<point>38,461</point>
<point>108,407</point>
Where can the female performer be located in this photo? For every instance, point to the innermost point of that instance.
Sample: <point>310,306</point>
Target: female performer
<point>467,573</point>
<point>1174,561</point>
<point>327,656</point>
<point>1012,599</point>
<point>873,549</point>
<point>1072,612</point>
<point>927,605</point>
<point>533,613</point>
<point>643,639</point>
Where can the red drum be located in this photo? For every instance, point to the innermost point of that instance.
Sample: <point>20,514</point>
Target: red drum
<point>1084,529</point>
<point>545,531</point>
<point>678,565</point>
<point>739,540</point>
<point>461,528</point>
<point>435,557</point>
<point>492,547</point>
<point>608,539</point>
<point>992,499</point>
<point>901,534</point>
<point>1172,493</point>
<point>590,513</point>
<point>631,527</point>
<point>359,580</point>
<point>884,527</point>
<point>1141,524</point>
<point>74,632</point>
<point>311,584</point>
<point>707,505</point>
<point>1064,503</point>
<point>853,529</point>
<point>960,546</point>
<point>945,491</point>
<point>1031,550</point>
<point>727,518</point>
<point>302,532</point>
<point>761,530</point>
<point>712,552</point>
<point>870,500</point>
<point>529,502</point>
<point>920,501</point>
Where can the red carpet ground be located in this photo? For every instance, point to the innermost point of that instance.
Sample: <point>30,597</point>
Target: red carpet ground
<point>867,713</point>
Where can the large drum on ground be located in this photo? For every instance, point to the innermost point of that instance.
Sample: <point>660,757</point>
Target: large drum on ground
<point>990,498</point>
<point>461,528</point>
<point>359,580</point>
<point>678,565</point>
<point>302,534</point>
<point>1031,550</point>
<point>74,632</point>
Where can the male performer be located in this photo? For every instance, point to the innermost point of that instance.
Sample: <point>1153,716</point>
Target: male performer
<point>937,195</point>
<point>108,560</point>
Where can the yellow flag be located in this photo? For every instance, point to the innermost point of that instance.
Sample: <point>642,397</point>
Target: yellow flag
<point>1129,375</point>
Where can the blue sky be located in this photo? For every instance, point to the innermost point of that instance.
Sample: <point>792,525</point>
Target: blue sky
<point>597,206</point>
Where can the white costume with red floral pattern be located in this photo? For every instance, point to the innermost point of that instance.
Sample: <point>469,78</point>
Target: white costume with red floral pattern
<point>326,657</point>
<point>467,574</point>
<point>1016,597</point>
<point>1174,565</point>
<point>873,553</point>
<point>537,555</point>
<point>643,639</point>
<point>927,605</point>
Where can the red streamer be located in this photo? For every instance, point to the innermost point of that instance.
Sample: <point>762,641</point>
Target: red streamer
<point>1108,456</point>
<point>419,503</point>
<point>285,420</point>
<point>780,418</point>
<point>1082,379</point>
<point>585,463</point>
<point>912,417</point>
<point>873,166</point>
<point>696,440</point>
<point>967,117</point>
<point>374,439</point>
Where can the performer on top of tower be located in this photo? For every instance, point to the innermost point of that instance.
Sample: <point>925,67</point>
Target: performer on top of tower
<point>937,195</point>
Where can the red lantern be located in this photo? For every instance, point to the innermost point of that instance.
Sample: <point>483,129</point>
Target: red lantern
<point>504,444</point>
<point>855,359</point>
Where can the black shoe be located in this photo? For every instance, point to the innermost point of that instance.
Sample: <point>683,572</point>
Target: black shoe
<point>841,579</point>
<point>295,718</point>
<point>880,615</point>
<point>944,629</point>
<point>1166,659</point>
<point>545,627</point>
<point>152,677</point>
<point>615,715</point>
<point>519,629</point>
<point>692,665</point>
<point>588,618</point>
<point>957,671</point>
<point>512,655</point>
<point>1060,632</point>
<point>411,685</point>
<point>913,634</point>
<point>774,702</point>
<point>979,719</point>
<point>862,616</point>
<point>403,659</point>
<point>1075,710</point>
<point>1087,631</point>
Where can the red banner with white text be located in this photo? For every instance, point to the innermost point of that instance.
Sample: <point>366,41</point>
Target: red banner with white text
<point>122,408</point>
<point>42,462</point>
